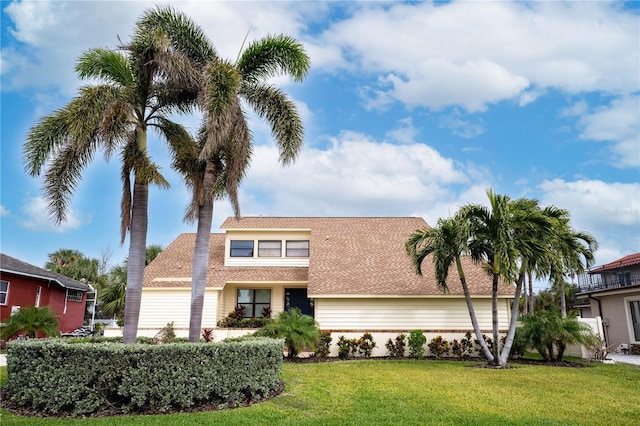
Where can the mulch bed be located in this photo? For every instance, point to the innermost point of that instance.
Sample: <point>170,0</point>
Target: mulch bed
<point>12,407</point>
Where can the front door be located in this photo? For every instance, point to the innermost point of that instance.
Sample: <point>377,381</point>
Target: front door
<point>297,298</point>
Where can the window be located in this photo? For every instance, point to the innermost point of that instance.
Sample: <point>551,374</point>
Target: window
<point>241,248</point>
<point>38,290</point>
<point>634,308</point>
<point>298,248</point>
<point>269,248</point>
<point>4,291</point>
<point>624,279</point>
<point>254,301</point>
<point>74,295</point>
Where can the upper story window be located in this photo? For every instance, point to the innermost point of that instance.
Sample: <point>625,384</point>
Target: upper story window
<point>4,291</point>
<point>269,248</point>
<point>298,248</point>
<point>74,295</point>
<point>241,248</point>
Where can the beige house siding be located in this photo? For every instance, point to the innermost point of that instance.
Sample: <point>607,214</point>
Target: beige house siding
<point>160,306</point>
<point>270,235</point>
<point>401,314</point>
<point>615,315</point>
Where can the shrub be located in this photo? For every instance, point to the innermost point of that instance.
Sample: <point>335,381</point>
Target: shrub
<point>297,330</point>
<point>464,348</point>
<point>31,320</point>
<point>243,322</point>
<point>366,345</point>
<point>346,347</point>
<point>396,349</point>
<point>520,344</point>
<point>207,334</point>
<point>166,334</point>
<point>130,377</point>
<point>416,342</point>
<point>488,340</point>
<point>323,347</point>
<point>439,346</point>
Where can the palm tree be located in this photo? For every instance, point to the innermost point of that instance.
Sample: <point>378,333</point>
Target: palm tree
<point>113,296</point>
<point>136,91</point>
<point>151,252</point>
<point>446,242</point>
<point>216,164</point>
<point>297,330</point>
<point>74,264</point>
<point>30,320</point>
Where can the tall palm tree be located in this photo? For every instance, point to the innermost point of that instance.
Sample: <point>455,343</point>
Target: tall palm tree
<point>136,90</point>
<point>74,264</point>
<point>216,164</point>
<point>113,296</point>
<point>446,242</point>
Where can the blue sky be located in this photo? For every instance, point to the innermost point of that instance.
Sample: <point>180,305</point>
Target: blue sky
<point>410,109</point>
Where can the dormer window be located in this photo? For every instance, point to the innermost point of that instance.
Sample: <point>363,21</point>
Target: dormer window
<point>241,248</point>
<point>298,248</point>
<point>269,248</point>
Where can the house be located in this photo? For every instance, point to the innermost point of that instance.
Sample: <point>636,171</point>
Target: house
<point>612,292</point>
<point>351,274</point>
<point>23,284</point>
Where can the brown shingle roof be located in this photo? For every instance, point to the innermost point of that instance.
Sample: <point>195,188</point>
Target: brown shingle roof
<point>348,256</point>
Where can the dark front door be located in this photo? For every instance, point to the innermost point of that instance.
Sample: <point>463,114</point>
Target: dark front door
<point>297,298</point>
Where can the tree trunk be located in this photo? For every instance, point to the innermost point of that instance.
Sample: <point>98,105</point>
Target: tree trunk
<point>508,341</point>
<point>494,319</point>
<point>136,259</point>
<point>561,348</point>
<point>472,314</point>
<point>531,298</point>
<point>525,299</point>
<point>563,299</point>
<point>201,254</point>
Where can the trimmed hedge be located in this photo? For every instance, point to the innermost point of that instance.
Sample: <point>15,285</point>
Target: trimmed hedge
<point>79,379</point>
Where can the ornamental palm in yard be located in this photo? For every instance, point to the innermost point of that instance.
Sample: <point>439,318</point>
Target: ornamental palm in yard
<point>135,91</point>
<point>29,320</point>
<point>214,166</point>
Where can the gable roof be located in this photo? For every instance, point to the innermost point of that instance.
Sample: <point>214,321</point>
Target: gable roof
<point>349,256</point>
<point>628,260</point>
<point>14,266</point>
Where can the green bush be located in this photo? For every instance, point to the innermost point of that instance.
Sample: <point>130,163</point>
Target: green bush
<point>323,347</point>
<point>464,348</point>
<point>366,345</point>
<point>416,342</point>
<point>79,379</point>
<point>396,349</point>
<point>243,322</point>
<point>299,331</point>
<point>346,347</point>
<point>439,346</point>
<point>29,321</point>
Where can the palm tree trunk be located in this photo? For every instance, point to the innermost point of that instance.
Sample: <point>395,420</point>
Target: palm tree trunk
<point>472,314</point>
<point>494,319</point>
<point>136,259</point>
<point>563,299</point>
<point>201,254</point>
<point>508,341</point>
<point>531,298</point>
<point>525,299</point>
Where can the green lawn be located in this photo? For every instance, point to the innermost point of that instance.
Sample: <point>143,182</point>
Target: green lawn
<point>422,392</point>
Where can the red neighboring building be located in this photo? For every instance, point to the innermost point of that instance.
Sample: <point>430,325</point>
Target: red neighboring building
<point>22,284</point>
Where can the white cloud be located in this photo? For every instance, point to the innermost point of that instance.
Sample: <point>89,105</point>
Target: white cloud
<point>36,218</point>
<point>459,126</point>
<point>476,53</point>
<point>618,123</point>
<point>4,211</point>
<point>405,132</point>
<point>355,176</point>
<point>610,211</point>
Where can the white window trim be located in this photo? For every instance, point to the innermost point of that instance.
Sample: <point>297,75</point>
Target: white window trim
<point>628,314</point>
<point>6,297</point>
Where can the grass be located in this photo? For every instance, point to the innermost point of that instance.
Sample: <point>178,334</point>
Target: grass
<point>421,393</point>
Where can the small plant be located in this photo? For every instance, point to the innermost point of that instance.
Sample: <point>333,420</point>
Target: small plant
<point>323,347</point>
<point>266,312</point>
<point>396,349</point>
<point>439,346</point>
<point>464,348</point>
<point>366,345</point>
<point>416,343</point>
<point>237,313</point>
<point>298,330</point>
<point>346,347</point>
<point>488,340</point>
<point>31,321</point>
<point>166,334</point>
<point>207,334</point>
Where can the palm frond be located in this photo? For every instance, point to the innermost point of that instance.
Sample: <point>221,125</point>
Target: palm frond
<point>280,112</point>
<point>274,55</point>
<point>107,65</point>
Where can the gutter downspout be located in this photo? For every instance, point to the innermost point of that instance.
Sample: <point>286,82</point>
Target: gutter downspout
<point>95,302</point>
<point>604,327</point>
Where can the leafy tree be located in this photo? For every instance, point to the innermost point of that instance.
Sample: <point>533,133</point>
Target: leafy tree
<point>74,264</point>
<point>297,330</point>
<point>549,333</point>
<point>151,252</point>
<point>214,166</point>
<point>29,320</point>
<point>135,91</point>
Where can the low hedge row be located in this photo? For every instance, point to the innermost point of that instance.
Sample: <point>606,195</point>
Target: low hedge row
<point>80,379</point>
